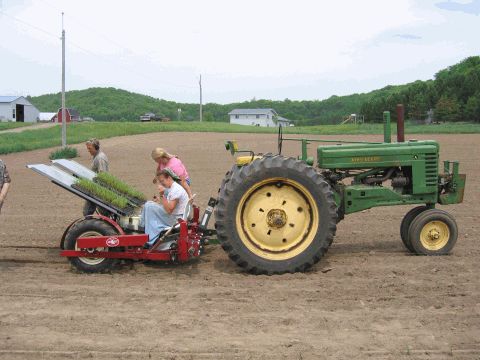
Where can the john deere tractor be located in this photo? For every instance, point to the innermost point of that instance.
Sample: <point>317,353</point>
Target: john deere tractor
<point>278,214</point>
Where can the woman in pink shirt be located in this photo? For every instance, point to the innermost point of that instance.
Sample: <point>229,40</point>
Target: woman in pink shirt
<point>166,160</point>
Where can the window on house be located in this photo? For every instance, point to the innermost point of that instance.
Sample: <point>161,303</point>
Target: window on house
<point>13,113</point>
<point>268,116</point>
<point>257,116</point>
<point>236,116</point>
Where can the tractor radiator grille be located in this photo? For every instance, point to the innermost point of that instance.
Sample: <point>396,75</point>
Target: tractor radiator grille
<point>431,169</point>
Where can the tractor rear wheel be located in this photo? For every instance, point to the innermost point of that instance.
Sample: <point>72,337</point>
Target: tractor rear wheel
<point>405,225</point>
<point>276,215</point>
<point>87,228</point>
<point>433,232</point>
<point>227,177</point>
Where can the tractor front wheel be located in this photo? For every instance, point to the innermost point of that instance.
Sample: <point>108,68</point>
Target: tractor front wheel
<point>88,228</point>
<point>405,225</point>
<point>433,232</point>
<point>276,215</point>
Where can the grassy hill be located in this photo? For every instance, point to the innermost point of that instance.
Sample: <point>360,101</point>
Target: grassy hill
<point>110,104</point>
<point>454,94</point>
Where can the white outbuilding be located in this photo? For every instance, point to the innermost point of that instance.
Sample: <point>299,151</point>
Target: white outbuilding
<point>47,117</point>
<point>257,117</point>
<point>17,109</point>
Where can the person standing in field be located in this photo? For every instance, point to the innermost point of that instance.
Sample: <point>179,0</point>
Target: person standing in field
<point>166,160</point>
<point>99,164</point>
<point>4,183</point>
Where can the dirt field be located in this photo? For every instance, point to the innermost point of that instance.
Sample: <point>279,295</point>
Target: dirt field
<point>368,298</point>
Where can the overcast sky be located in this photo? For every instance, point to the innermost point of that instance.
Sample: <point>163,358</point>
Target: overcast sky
<point>273,49</point>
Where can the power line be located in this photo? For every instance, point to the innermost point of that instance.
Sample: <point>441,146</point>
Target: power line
<point>42,30</point>
<point>28,24</point>
<point>84,24</point>
<point>74,45</point>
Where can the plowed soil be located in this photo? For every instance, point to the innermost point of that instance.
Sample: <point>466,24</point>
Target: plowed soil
<point>367,298</point>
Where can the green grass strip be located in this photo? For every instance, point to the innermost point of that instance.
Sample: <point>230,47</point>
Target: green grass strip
<point>80,132</point>
<point>104,194</point>
<point>63,153</point>
<point>118,185</point>
<point>13,125</point>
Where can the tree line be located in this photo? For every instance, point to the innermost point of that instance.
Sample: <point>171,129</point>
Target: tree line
<point>453,95</point>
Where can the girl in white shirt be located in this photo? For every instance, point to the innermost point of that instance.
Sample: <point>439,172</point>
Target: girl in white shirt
<point>163,211</point>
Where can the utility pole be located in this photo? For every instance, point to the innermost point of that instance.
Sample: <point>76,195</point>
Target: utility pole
<point>64,124</point>
<point>200,83</point>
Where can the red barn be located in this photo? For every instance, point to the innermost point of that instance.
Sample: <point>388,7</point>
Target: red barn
<point>70,115</point>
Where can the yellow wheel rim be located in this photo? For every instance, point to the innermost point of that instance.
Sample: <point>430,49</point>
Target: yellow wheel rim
<point>277,219</point>
<point>434,235</point>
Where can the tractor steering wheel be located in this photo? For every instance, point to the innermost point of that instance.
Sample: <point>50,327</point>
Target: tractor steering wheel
<point>280,139</point>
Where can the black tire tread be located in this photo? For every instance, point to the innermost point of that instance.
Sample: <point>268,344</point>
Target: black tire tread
<point>263,165</point>
<point>405,225</point>
<point>421,220</point>
<point>81,227</point>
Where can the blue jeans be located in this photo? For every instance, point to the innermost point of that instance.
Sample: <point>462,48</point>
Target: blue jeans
<point>155,219</point>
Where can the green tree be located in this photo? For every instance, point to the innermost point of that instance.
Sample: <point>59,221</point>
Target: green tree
<point>447,109</point>
<point>418,107</point>
<point>472,108</point>
<point>208,116</point>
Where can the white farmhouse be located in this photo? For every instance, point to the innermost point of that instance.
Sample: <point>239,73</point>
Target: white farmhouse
<point>17,109</point>
<point>256,117</point>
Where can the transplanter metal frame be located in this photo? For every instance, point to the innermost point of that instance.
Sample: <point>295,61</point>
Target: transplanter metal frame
<point>75,168</point>
<point>130,247</point>
<point>66,181</point>
<point>81,171</point>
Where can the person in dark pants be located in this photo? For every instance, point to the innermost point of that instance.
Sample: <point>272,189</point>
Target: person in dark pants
<point>4,183</point>
<point>99,164</point>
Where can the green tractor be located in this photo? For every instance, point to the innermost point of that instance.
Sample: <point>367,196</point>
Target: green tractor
<point>278,214</point>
